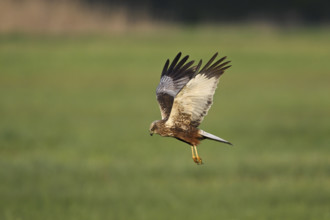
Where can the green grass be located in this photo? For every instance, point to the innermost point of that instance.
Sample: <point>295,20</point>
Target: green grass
<point>75,113</point>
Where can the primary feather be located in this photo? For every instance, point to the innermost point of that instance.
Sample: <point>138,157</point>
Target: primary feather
<point>196,97</point>
<point>172,80</point>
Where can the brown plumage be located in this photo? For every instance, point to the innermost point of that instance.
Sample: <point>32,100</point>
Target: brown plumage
<point>185,94</point>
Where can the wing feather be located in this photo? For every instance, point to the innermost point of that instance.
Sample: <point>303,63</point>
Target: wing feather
<point>193,102</point>
<point>173,78</point>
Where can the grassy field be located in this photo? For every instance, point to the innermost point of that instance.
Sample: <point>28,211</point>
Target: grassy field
<point>75,113</point>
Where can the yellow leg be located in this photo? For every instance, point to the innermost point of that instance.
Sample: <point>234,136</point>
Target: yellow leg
<point>193,155</point>
<point>196,158</point>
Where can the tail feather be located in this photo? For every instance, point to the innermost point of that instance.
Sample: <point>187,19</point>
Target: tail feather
<point>213,137</point>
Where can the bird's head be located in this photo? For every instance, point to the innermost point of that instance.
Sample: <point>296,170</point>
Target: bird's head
<point>153,128</point>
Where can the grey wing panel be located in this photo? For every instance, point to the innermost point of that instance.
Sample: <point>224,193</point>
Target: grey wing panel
<point>173,79</point>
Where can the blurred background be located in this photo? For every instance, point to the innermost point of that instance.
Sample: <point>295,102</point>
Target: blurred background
<point>77,96</point>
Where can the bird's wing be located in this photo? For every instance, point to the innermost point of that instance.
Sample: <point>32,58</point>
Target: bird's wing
<point>195,99</point>
<point>173,79</point>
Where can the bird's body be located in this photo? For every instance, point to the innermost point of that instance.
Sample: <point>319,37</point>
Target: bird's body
<point>185,94</point>
<point>190,135</point>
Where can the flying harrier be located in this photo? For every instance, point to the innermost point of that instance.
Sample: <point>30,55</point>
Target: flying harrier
<point>185,94</point>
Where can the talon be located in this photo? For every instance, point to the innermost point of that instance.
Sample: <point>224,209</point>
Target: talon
<point>195,159</point>
<point>200,162</point>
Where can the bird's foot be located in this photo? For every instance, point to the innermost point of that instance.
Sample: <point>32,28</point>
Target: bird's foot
<point>198,160</point>
<point>195,156</point>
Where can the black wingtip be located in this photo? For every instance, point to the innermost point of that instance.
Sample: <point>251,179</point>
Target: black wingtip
<point>214,56</point>
<point>165,67</point>
<point>198,66</point>
<point>226,67</point>
<point>210,61</point>
<point>174,62</point>
<point>180,64</point>
<point>177,57</point>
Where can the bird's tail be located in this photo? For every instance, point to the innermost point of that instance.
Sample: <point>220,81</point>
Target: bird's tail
<point>213,137</point>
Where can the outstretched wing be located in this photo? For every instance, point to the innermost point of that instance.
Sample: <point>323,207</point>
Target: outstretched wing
<point>196,97</point>
<point>172,80</point>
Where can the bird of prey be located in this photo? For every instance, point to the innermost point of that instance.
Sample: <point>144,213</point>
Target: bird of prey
<point>185,95</point>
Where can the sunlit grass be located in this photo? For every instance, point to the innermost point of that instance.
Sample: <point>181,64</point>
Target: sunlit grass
<point>75,113</point>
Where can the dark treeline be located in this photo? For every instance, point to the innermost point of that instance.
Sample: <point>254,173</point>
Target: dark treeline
<point>190,11</point>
